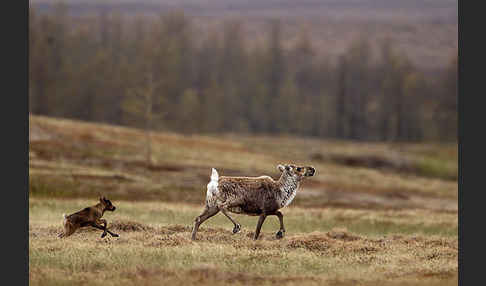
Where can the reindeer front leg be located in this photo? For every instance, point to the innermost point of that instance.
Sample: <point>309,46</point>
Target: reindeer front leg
<point>104,228</point>
<point>259,225</point>
<point>281,231</point>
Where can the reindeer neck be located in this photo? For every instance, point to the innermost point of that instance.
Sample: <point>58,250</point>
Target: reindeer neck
<point>288,186</point>
<point>100,207</point>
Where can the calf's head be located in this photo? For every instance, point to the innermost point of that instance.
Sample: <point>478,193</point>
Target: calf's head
<point>107,205</point>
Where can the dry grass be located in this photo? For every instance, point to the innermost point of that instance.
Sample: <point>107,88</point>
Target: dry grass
<point>154,247</point>
<point>349,225</point>
<point>74,159</point>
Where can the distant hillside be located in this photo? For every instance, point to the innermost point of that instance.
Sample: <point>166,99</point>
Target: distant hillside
<point>426,30</point>
<point>79,159</point>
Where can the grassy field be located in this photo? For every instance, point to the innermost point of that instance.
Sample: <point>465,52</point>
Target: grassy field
<point>375,213</point>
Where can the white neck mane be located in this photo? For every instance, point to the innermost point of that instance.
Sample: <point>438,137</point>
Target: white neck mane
<point>288,190</point>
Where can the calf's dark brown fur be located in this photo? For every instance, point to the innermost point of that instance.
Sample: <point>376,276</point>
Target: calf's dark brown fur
<point>256,196</point>
<point>90,216</point>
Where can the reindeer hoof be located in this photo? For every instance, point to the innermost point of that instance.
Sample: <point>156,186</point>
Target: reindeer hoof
<point>237,228</point>
<point>280,234</point>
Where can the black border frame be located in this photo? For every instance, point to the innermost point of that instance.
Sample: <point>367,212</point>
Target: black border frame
<point>15,210</point>
<point>470,87</point>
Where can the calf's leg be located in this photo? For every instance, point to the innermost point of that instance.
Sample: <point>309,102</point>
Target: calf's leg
<point>103,228</point>
<point>106,229</point>
<point>68,230</point>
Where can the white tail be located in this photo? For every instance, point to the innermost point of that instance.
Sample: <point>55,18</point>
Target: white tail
<point>64,216</point>
<point>212,189</point>
<point>214,175</point>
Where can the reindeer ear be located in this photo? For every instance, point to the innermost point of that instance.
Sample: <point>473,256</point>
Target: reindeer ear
<point>281,168</point>
<point>102,199</point>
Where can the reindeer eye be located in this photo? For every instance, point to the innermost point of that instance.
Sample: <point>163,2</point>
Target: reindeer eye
<point>299,169</point>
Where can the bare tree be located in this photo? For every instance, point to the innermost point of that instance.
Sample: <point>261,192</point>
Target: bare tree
<point>140,104</point>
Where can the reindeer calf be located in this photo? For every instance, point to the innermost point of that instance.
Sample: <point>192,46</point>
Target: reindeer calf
<point>90,216</point>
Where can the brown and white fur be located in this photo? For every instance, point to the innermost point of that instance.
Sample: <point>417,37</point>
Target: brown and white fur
<point>90,216</point>
<point>256,196</point>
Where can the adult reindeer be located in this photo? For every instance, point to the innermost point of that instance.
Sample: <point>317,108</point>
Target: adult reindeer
<point>256,196</point>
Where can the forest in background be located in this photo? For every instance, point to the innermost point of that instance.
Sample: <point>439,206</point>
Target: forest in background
<point>155,73</point>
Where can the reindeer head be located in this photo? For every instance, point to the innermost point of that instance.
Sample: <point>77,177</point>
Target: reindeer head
<point>298,172</point>
<point>107,205</point>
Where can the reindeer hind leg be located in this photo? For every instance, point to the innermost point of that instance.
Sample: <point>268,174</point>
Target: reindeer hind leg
<point>207,213</point>
<point>237,226</point>
<point>69,229</point>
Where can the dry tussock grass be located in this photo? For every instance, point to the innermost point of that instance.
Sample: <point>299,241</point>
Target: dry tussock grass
<point>208,274</point>
<point>337,241</point>
<point>151,253</point>
<point>396,257</point>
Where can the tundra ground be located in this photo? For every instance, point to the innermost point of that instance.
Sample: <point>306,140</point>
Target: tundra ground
<point>322,246</point>
<point>374,213</point>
